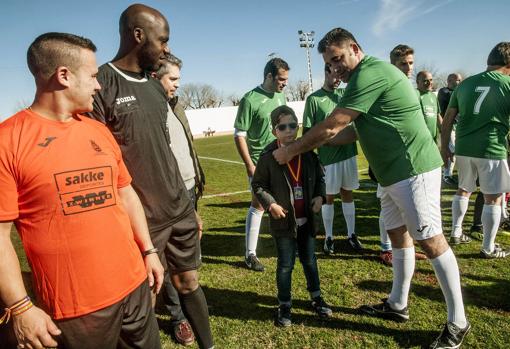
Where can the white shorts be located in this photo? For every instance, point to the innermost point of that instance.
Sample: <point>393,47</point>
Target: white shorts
<point>416,203</point>
<point>493,175</point>
<point>342,174</point>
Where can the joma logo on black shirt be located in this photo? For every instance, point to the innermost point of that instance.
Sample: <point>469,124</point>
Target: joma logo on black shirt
<point>125,99</point>
<point>85,177</point>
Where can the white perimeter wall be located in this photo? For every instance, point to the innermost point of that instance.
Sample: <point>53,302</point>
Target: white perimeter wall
<point>222,119</point>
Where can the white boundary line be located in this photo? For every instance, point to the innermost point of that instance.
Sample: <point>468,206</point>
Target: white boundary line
<point>242,191</point>
<point>225,194</point>
<point>222,160</point>
<point>242,163</point>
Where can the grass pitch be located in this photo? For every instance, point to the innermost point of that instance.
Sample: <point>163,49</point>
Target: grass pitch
<point>242,302</point>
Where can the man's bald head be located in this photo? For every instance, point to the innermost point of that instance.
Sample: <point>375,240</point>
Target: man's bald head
<point>424,81</point>
<point>144,34</point>
<point>453,80</point>
<point>139,16</point>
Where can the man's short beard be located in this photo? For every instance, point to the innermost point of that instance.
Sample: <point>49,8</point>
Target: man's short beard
<point>145,60</point>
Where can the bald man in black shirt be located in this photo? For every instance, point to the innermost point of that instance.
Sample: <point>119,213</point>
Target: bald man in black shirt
<point>134,107</point>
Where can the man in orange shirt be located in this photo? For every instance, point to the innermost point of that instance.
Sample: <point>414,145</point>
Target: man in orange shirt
<point>66,188</point>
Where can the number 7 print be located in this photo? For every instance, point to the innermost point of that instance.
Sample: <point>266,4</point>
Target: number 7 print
<point>484,90</point>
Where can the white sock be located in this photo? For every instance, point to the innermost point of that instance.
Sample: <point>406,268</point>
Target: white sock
<point>491,216</point>
<point>328,213</point>
<point>447,273</point>
<point>349,212</point>
<point>459,209</point>
<point>253,219</point>
<point>403,269</point>
<point>385,239</point>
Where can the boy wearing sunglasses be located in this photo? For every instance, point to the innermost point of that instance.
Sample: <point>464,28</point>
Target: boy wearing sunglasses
<point>292,193</point>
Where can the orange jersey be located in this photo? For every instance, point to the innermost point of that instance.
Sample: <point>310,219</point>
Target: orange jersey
<point>59,184</point>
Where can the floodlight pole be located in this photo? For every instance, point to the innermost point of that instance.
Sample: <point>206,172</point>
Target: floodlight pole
<point>306,40</point>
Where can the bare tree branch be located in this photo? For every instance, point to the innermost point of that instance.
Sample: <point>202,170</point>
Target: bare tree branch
<point>199,96</point>
<point>297,91</point>
<point>234,100</point>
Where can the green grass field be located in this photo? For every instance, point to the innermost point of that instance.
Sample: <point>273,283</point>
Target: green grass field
<point>242,302</point>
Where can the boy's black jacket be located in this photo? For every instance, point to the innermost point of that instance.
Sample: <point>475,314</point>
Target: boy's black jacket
<point>271,183</point>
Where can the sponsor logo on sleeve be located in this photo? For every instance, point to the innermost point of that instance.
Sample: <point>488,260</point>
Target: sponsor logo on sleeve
<point>86,189</point>
<point>96,147</point>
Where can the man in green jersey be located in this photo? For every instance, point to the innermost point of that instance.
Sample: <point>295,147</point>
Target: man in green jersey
<point>483,104</point>
<point>429,103</point>
<point>390,127</point>
<point>402,57</point>
<point>252,134</point>
<point>340,166</point>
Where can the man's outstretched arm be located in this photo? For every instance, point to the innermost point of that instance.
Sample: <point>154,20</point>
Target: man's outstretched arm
<point>318,135</point>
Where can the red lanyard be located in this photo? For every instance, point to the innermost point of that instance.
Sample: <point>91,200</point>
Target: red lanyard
<point>296,175</point>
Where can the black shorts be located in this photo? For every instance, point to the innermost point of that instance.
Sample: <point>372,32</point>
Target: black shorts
<point>130,323</point>
<point>179,245</point>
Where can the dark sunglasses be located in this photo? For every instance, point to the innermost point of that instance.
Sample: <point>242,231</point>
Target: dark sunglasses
<point>283,127</point>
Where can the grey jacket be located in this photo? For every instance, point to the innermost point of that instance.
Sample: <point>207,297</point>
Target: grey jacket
<point>271,184</point>
<point>181,115</point>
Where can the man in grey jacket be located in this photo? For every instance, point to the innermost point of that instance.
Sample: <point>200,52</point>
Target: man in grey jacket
<point>181,142</point>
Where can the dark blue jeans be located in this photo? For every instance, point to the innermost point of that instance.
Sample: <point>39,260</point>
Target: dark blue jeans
<point>286,248</point>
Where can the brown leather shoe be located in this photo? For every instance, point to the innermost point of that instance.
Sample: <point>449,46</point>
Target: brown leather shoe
<point>183,333</point>
<point>386,257</point>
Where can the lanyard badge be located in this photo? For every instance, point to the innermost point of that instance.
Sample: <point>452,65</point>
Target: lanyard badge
<point>298,190</point>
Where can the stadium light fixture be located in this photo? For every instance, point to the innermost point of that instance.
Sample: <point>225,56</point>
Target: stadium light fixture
<point>306,40</point>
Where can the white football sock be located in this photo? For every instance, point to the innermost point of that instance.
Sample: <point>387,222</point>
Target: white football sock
<point>403,269</point>
<point>491,216</point>
<point>253,220</point>
<point>328,213</point>
<point>349,212</point>
<point>447,273</point>
<point>459,209</point>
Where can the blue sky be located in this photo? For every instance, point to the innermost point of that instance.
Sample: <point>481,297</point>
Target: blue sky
<point>226,43</point>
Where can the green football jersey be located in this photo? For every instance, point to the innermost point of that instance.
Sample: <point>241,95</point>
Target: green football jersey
<point>254,117</point>
<point>430,108</point>
<point>483,102</point>
<point>391,129</point>
<point>318,106</point>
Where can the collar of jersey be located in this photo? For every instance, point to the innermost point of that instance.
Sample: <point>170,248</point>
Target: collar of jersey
<point>125,76</point>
